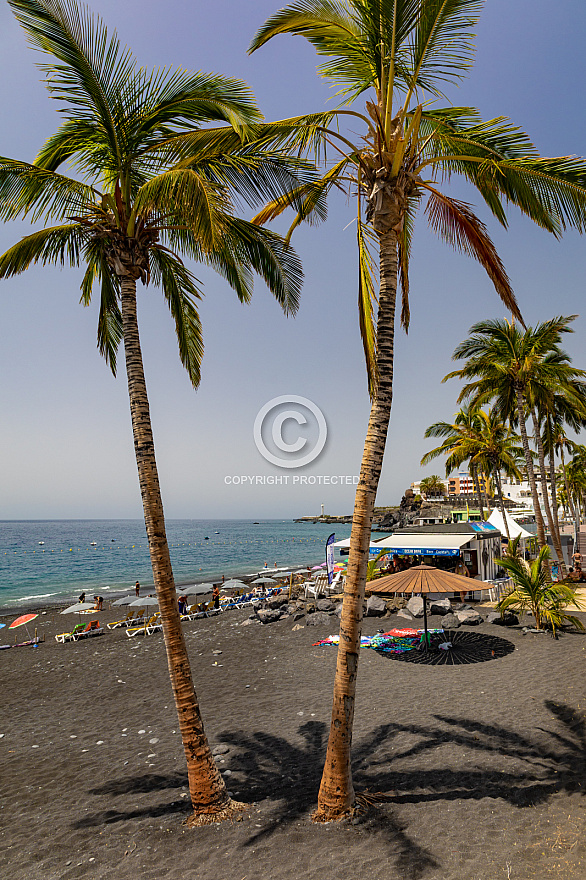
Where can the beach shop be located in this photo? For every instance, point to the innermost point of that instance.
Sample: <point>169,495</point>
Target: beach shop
<point>476,544</point>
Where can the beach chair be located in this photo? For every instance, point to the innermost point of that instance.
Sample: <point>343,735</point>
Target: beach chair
<point>142,630</point>
<point>320,587</point>
<point>191,613</point>
<point>92,629</point>
<point>70,636</point>
<point>131,619</point>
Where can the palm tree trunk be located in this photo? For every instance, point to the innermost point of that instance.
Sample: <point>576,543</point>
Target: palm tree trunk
<point>336,793</point>
<point>476,482</point>
<point>206,786</point>
<point>529,464</point>
<point>554,504</point>
<point>568,495</point>
<point>555,537</point>
<point>499,489</point>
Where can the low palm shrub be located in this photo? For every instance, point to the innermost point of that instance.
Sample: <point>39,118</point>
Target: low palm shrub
<point>533,592</point>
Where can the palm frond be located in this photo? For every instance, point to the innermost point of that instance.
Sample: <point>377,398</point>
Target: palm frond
<point>57,244</point>
<point>188,199</point>
<point>26,190</point>
<point>180,290</point>
<point>443,42</point>
<point>367,304</point>
<point>93,67</point>
<point>267,254</point>
<point>459,226</point>
<point>333,32</point>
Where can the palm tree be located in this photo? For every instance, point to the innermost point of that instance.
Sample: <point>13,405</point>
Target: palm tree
<point>460,444</point>
<point>534,592</point>
<point>519,370</point>
<point>432,486</point>
<point>497,451</point>
<point>399,55</point>
<point>564,408</point>
<point>148,189</point>
<point>575,474</point>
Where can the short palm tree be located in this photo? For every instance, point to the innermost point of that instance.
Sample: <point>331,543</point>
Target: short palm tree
<point>432,486</point>
<point>460,444</point>
<point>147,191</point>
<point>399,56</point>
<point>497,451</point>
<point>534,592</point>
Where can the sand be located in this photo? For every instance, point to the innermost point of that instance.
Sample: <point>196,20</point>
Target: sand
<point>483,765</point>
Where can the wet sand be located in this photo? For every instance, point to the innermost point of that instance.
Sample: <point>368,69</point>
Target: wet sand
<point>483,765</point>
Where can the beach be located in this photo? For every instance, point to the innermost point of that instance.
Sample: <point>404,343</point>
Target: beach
<point>482,765</point>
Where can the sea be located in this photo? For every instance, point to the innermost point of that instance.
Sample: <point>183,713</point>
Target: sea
<point>46,562</point>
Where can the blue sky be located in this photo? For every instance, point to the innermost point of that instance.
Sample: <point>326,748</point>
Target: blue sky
<point>65,442</point>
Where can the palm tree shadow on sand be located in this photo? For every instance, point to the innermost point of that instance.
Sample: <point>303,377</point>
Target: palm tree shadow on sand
<point>269,768</point>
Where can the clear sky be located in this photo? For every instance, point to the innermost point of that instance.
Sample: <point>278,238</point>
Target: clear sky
<point>65,439</point>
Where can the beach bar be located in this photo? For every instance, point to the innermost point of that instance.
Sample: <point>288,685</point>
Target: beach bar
<point>476,544</point>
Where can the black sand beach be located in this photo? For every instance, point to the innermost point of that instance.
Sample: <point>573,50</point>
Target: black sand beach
<point>483,765</point>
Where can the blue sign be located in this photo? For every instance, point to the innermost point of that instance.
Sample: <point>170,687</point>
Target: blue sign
<point>424,551</point>
<point>483,527</point>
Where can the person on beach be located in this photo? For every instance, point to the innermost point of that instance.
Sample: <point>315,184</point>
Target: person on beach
<point>82,598</point>
<point>98,602</point>
<point>216,595</point>
<point>182,604</point>
<point>462,570</point>
<point>137,588</point>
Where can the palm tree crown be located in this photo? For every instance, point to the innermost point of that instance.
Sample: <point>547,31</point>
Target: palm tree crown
<point>147,190</point>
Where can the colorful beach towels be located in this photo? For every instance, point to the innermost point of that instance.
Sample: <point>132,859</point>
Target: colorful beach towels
<point>395,641</point>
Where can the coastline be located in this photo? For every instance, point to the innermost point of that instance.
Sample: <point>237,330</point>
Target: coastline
<point>34,575</point>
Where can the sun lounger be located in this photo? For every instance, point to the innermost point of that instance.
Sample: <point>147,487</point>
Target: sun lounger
<point>92,629</point>
<point>81,631</point>
<point>132,619</point>
<point>70,636</point>
<point>142,630</point>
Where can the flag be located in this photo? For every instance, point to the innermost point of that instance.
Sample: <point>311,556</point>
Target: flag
<point>330,557</point>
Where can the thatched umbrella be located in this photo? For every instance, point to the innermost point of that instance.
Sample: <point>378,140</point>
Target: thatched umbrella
<point>421,580</point>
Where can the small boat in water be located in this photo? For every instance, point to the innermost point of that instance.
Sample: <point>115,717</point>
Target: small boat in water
<point>41,542</point>
<point>93,543</point>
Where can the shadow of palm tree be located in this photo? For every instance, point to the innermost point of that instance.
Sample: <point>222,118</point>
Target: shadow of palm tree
<point>266,767</point>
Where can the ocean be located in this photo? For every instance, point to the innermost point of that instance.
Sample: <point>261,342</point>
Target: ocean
<point>44,562</point>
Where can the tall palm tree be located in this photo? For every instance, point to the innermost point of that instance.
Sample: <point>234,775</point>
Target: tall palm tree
<point>519,370</point>
<point>147,191</point>
<point>461,444</point>
<point>400,55</point>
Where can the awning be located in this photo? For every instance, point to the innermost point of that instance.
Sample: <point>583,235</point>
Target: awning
<point>425,545</point>
<point>496,518</point>
<point>345,545</point>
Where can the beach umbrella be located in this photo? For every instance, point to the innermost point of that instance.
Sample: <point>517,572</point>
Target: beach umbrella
<point>233,583</point>
<point>125,600</point>
<point>264,581</point>
<point>22,621</point>
<point>315,567</point>
<point>197,590</point>
<point>421,580</point>
<point>144,601</point>
<point>79,607</point>
<point>302,571</point>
